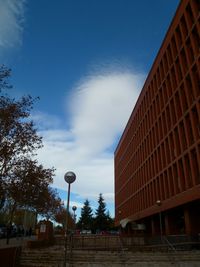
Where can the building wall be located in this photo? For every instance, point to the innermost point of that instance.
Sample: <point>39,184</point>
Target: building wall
<point>158,156</point>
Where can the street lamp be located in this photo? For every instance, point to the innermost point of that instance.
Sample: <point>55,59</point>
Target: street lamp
<point>159,203</point>
<point>74,208</point>
<point>69,177</point>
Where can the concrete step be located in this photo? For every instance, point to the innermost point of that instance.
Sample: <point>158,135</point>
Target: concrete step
<point>54,257</point>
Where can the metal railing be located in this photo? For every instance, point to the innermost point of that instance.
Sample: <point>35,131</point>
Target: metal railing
<point>120,243</point>
<point>168,243</point>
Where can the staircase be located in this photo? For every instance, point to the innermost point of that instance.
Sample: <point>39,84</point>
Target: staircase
<point>51,257</point>
<point>54,257</point>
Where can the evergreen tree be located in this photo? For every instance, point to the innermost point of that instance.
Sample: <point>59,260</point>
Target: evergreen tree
<point>86,219</point>
<point>101,219</point>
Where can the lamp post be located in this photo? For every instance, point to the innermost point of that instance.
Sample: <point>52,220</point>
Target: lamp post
<point>159,203</point>
<point>69,177</point>
<point>74,208</point>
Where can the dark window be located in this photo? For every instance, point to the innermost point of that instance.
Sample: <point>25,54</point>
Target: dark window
<point>184,27</point>
<point>181,175</point>
<point>182,136</point>
<point>184,63</point>
<point>195,166</point>
<point>183,98</point>
<point>188,172</point>
<point>196,40</point>
<point>190,17</point>
<point>189,130</point>
<point>178,37</point>
<point>196,123</point>
<point>196,80</point>
<point>189,51</point>
<point>189,90</point>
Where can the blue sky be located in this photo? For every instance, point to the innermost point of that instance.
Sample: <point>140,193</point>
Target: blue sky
<point>87,61</point>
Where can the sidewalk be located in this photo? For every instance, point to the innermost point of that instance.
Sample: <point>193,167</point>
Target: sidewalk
<point>16,241</point>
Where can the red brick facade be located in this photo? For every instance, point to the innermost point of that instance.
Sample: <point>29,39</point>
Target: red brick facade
<point>158,156</point>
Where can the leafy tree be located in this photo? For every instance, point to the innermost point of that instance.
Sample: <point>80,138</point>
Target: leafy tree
<point>86,218</point>
<point>23,181</point>
<point>60,217</point>
<point>18,137</point>
<point>4,75</point>
<point>27,186</point>
<point>49,203</point>
<point>102,218</point>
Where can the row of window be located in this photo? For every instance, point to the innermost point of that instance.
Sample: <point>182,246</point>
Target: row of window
<point>170,72</point>
<point>177,102</point>
<point>179,177</point>
<point>174,62</point>
<point>178,139</point>
<point>159,155</point>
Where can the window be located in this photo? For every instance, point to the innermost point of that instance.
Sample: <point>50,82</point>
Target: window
<point>169,86</point>
<point>196,123</point>
<point>176,179</point>
<point>166,183</point>
<point>196,41</point>
<point>183,98</point>
<point>161,70</point>
<point>195,166</point>
<point>178,106</point>
<point>177,141</point>
<point>167,150</point>
<point>190,17</point>
<point>189,90</point>
<point>178,37</point>
<point>195,7</point>
<point>189,51</point>
<point>189,130</point>
<point>173,113</point>
<point>188,171</point>
<point>168,118</point>
<point>161,100</point>
<point>171,182</point>
<point>169,55</point>
<point>174,47</point>
<point>172,147</point>
<point>184,63</point>
<point>173,79</point>
<point>182,136</point>
<point>164,123</point>
<point>178,70</point>
<point>196,80</point>
<point>181,175</point>
<point>184,29</point>
<point>165,63</point>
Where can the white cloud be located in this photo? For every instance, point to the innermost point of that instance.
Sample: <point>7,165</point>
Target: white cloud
<point>46,121</point>
<point>11,23</point>
<point>100,108</point>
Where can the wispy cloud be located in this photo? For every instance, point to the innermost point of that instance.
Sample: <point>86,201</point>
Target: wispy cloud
<point>11,23</point>
<point>100,107</point>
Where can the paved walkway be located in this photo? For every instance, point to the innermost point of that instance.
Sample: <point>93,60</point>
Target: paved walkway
<point>15,241</point>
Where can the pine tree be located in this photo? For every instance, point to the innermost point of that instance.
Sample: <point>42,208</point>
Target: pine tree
<point>86,219</point>
<point>101,219</point>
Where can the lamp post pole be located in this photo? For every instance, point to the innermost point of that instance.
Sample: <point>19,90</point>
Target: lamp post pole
<point>74,210</point>
<point>158,202</point>
<point>69,177</point>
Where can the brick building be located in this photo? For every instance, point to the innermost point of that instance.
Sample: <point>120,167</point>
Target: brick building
<point>157,160</point>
